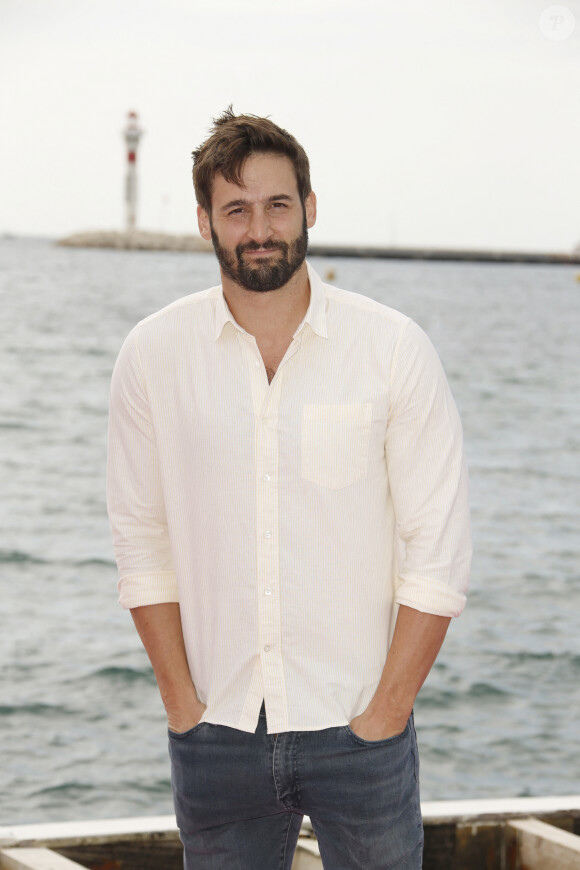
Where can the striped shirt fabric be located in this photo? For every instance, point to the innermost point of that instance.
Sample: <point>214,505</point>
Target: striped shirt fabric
<point>290,519</point>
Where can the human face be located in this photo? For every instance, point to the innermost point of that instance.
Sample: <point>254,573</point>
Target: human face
<point>259,230</point>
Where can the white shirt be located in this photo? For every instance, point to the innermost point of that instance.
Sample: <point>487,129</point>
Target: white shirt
<point>288,519</point>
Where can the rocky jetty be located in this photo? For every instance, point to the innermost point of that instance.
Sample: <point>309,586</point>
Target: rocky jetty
<point>141,240</point>
<point>138,240</point>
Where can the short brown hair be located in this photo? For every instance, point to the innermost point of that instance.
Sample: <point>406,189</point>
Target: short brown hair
<point>234,138</point>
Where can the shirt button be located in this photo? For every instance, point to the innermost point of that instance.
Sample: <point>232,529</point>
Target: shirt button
<point>268,534</point>
<point>267,648</point>
<point>267,591</point>
<point>267,478</point>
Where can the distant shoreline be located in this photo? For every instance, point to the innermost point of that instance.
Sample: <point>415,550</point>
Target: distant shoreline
<point>140,240</point>
<point>443,254</point>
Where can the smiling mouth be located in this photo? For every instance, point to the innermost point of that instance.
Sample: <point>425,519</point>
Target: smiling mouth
<point>262,256</point>
<point>261,252</point>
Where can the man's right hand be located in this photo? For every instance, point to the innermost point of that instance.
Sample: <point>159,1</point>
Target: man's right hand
<point>159,627</point>
<point>181,719</point>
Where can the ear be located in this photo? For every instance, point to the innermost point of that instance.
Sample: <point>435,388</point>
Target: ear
<point>310,209</point>
<point>204,224</point>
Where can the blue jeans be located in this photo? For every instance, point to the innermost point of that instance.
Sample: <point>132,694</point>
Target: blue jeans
<point>240,797</point>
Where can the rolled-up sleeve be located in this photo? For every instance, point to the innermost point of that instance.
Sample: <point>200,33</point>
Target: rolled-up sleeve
<point>428,481</point>
<point>134,489</point>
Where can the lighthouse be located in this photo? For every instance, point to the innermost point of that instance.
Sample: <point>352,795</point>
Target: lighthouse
<point>132,135</point>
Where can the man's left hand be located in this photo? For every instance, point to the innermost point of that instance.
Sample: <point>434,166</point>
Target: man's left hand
<point>370,726</point>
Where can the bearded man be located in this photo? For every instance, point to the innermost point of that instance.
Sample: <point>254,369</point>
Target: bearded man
<point>288,497</point>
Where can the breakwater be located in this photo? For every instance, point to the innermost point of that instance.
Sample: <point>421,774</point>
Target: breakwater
<point>142,240</point>
<point>137,240</point>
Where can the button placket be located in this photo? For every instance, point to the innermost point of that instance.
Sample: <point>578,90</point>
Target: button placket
<point>267,544</point>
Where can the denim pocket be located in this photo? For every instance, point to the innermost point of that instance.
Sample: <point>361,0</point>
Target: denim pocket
<point>181,735</point>
<point>396,738</point>
<point>335,443</point>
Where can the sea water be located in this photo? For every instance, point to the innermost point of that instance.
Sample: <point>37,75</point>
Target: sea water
<point>82,729</point>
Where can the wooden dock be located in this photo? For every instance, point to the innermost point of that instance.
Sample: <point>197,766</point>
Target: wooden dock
<point>495,834</point>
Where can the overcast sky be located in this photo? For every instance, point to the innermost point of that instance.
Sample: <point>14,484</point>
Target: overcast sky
<point>427,122</point>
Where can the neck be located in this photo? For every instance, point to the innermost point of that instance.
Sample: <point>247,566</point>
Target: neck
<point>276,313</point>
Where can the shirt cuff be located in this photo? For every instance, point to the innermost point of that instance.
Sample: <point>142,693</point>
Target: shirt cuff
<point>138,590</point>
<point>431,596</point>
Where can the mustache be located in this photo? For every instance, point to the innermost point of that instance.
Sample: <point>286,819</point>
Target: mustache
<point>269,245</point>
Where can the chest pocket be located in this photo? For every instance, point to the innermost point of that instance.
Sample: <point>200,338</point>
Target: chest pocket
<point>335,443</point>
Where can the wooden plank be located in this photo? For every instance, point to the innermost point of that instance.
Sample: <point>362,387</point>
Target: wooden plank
<point>477,847</point>
<point>52,834</point>
<point>310,845</point>
<point>304,859</point>
<point>128,855</point>
<point>540,846</point>
<point>436,812</point>
<point>35,859</point>
<point>307,855</point>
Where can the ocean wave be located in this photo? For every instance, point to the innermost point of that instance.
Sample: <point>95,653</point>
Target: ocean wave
<point>68,789</point>
<point>525,656</point>
<point>434,698</point>
<point>124,675</point>
<point>16,425</point>
<point>37,709</point>
<point>22,557</point>
<point>18,556</point>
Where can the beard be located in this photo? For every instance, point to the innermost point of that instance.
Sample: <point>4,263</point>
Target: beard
<point>264,274</point>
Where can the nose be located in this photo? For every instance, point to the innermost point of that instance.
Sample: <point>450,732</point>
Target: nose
<point>259,225</point>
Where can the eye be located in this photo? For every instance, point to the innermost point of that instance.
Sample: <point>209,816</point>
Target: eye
<point>279,205</point>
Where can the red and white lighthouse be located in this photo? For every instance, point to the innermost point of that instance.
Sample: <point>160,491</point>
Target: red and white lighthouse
<point>132,135</point>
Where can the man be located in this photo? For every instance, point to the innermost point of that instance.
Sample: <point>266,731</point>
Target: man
<point>288,497</point>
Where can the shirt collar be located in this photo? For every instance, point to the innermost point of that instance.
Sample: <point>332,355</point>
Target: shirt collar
<point>223,315</point>
<point>315,316</point>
